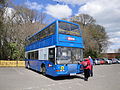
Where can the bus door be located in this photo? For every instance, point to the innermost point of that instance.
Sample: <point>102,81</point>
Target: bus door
<point>51,55</point>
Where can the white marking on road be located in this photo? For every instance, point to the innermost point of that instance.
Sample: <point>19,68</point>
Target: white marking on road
<point>30,88</point>
<point>99,76</point>
<point>67,82</point>
<point>51,85</point>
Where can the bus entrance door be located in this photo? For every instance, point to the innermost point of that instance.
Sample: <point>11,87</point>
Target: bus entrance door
<point>51,55</point>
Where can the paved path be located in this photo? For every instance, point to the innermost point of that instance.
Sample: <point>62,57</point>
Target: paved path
<point>106,77</point>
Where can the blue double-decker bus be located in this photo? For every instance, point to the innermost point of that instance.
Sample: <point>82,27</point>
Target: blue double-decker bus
<point>56,50</point>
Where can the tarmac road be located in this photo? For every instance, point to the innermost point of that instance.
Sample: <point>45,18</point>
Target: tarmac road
<point>106,77</point>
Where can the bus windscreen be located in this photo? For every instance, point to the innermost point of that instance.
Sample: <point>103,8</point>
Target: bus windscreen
<point>69,29</point>
<point>67,55</point>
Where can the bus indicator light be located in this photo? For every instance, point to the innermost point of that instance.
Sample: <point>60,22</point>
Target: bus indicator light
<point>49,65</point>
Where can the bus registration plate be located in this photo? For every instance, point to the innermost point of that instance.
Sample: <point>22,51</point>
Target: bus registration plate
<point>71,74</point>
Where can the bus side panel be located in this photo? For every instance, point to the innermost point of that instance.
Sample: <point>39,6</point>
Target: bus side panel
<point>51,70</point>
<point>48,41</point>
<point>33,64</point>
<point>36,65</point>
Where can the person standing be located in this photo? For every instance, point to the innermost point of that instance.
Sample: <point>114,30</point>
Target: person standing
<point>91,62</point>
<point>87,68</point>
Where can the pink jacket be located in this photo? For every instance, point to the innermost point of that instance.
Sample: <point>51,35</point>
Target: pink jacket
<point>88,66</point>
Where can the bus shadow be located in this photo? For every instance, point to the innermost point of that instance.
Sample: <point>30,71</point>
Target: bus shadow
<point>60,77</point>
<point>64,77</point>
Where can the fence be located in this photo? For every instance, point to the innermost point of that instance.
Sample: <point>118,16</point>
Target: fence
<point>5,63</point>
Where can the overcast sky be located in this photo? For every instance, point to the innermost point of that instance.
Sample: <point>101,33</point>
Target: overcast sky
<point>106,13</point>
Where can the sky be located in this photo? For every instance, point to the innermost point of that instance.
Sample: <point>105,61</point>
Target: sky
<point>106,13</point>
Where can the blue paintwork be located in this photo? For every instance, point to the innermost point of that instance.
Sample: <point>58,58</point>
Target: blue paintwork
<point>47,41</point>
<point>63,41</point>
<point>64,38</point>
<point>57,40</point>
<point>68,68</point>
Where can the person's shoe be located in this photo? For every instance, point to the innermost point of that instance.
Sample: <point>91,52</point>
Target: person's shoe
<point>91,76</point>
<point>86,79</point>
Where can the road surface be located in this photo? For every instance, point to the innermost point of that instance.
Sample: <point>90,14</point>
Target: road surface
<point>106,77</point>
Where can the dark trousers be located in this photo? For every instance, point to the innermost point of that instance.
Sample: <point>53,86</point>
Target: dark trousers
<point>86,73</point>
<point>91,71</point>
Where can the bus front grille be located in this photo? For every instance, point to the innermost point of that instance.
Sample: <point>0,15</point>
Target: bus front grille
<point>72,68</point>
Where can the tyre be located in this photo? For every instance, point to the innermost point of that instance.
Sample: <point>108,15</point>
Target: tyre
<point>43,70</point>
<point>27,64</point>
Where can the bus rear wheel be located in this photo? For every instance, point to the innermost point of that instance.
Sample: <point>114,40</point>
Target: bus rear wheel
<point>27,64</point>
<point>43,70</point>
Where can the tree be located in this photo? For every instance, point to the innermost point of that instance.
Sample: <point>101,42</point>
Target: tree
<point>94,36</point>
<point>22,23</point>
<point>84,19</point>
<point>98,39</point>
<point>3,40</point>
<point>118,51</point>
